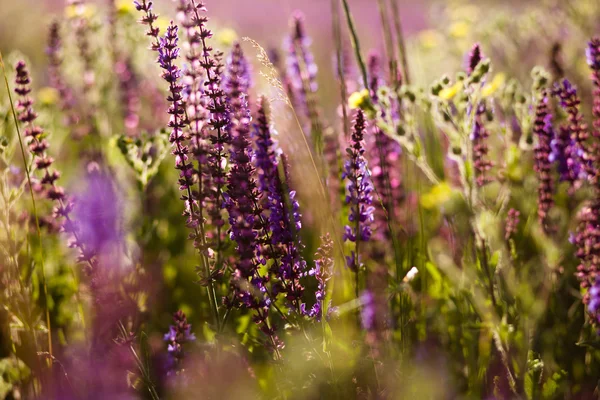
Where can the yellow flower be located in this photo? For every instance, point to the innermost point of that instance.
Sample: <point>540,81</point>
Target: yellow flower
<point>429,39</point>
<point>459,29</point>
<point>80,11</point>
<point>449,92</point>
<point>125,7</point>
<point>494,85</point>
<point>162,23</point>
<point>358,99</point>
<point>48,96</point>
<point>437,196</point>
<point>226,36</point>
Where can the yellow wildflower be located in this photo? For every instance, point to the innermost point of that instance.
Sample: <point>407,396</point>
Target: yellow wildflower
<point>429,39</point>
<point>437,196</point>
<point>449,92</point>
<point>358,99</point>
<point>80,11</point>
<point>226,36</point>
<point>494,85</point>
<point>459,29</point>
<point>48,96</point>
<point>125,7</point>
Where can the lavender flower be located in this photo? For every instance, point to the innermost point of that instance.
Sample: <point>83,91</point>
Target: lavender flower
<point>301,81</point>
<point>38,146</point>
<point>512,223</point>
<point>237,81</point>
<point>479,136</point>
<point>358,194</point>
<point>130,101</point>
<point>283,244</point>
<point>593,306</point>
<point>579,158</point>
<point>220,138</point>
<point>301,67</point>
<point>542,128</point>
<point>474,58</point>
<point>53,50</point>
<point>195,103</point>
<point>179,334</point>
<point>322,272</point>
<point>593,59</point>
<point>384,156</point>
<point>242,200</point>
<point>168,52</point>
<point>149,19</point>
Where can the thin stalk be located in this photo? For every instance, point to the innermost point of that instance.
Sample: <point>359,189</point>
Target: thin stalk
<point>337,35</point>
<point>401,42</point>
<point>37,222</point>
<point>388,40</point>
<point>355,43</point>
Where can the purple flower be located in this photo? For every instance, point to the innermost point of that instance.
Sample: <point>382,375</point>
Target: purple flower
<point>149,19</point>
<point>57,81</point>
<point>358,193</point>
<point>512,223</point>
<point>576,151</point>
<point>322,272</point>
<point>384,161</point>
<point>479,136</point>
<point>47,185</point>
<point>98,213</point>
<point>179,334</point>
<point>237,81</point>
<point>130,101</point>
<point>301,71</point>
<point>542,128</point>
<point>282,213</point>
<point>594,303</point>
<point>474,58</point>
<point>215,102</point>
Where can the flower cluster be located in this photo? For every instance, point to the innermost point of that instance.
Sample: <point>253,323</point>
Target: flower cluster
<point>301,71</point>
<point>38,146</point>
<point>542,128</point>
<point>474,58</point>
<point>179,334</point>
<point>479,136</point>
<point>576,150</point>
<point>359,194</point>
<point>512,223</point>
<point>384,156</point>
<point>323,271</point>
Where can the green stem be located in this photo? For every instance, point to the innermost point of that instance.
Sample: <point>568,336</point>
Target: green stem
<point>355,43</point>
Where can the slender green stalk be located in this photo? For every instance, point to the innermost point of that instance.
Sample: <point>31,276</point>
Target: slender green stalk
<point>389,41</point>
<point>339,54</point>
<point>401,42</point>
<point>355,43</point>
<point>37,222</point>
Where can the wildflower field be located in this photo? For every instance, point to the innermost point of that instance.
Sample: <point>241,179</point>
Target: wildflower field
<point>362,199</point>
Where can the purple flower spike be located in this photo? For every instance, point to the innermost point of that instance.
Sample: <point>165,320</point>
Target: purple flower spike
<point>237,81</point>
<point>474,58</point>
<point>479,136</point>
<point>179,334</point>
<point>358,193</point>
<point>384,160</point>
<point>576,151</point>
<point>47,185</point>
<point>322,272</point>
<point>301,71</point>
<point>542,128</point>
